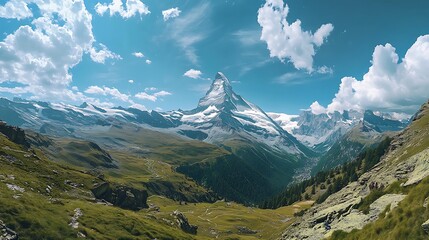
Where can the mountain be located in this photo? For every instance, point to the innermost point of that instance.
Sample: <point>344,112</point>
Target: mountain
<point>223,114</point>
<point>360,137</point>
<point>260,157</point>
<point>321,131</point>
<point>386,200</point>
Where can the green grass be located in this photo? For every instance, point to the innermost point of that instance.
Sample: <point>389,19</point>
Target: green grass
<point>222,218</point>
<point>37,213</point>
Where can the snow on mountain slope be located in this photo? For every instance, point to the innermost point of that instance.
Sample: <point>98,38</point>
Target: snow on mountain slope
<point>223,114</point>
<point>321,131</point>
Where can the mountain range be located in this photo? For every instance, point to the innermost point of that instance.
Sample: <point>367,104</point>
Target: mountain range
<point>267,150</point>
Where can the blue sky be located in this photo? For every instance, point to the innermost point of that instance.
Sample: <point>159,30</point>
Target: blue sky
<point>93,58</point>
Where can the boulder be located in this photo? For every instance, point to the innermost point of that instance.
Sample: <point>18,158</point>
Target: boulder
<point>7,233</point>
<point>425,226</point>
<point>121,196</point>
<point>183,223</point>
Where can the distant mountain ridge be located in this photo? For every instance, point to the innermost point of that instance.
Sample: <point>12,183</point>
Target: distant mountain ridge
<point>321,131</point>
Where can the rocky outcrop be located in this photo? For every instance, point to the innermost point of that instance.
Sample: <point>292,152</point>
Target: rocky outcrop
<point>74,219</point>
<point>7,233</point>
<point>425,226</point>
<point>121,196</point>
<point>183,223</point>
<point>182,192</point>
<point>14,134</point>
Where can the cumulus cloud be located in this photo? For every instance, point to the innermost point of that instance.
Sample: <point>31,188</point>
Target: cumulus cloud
<point>145,96</point>
<point>389,84</point>
<point>148,61</point>
<point>162,94</point>
<point>132,8</point>
<point>138,54</point>
<point>106,91</point>
<point>288,40</point>
<point>39,56</point>
<point>316,108</point>
<point>15,9</point>
<point>192,73</point>
<point>325,70</point>
<point>101,55</point>
<point>152,97</point>
<point>171,13</point>
<point>131,81</point>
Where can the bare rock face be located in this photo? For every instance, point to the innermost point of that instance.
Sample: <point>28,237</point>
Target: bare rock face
<point>14,134</point>
<point>7,233</point>
<point>183,223</point>
<point>121,196</point>
<point>425,226</point>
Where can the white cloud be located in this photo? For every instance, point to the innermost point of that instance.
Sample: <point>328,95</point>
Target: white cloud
<point>289,41</point>
<point>190,29</point>
<point>15,9</point>
<point>390,84</point>
<point>75,88</point>
<point>131,81</point>
<point>106,91</point>
<point>101,55</point>
<point>152,97</point>
<point>148,61</point>
<point>145,96</point>
<point>192,73</point>
<point>162,94</point>
<point>325,70</point>
<point>171,13</point>
<point>138,54</point>
<point>132,8</point>
<point>150,89</point>
<point>39,56</point>
<point>14,90</point>
<point>316,108</point>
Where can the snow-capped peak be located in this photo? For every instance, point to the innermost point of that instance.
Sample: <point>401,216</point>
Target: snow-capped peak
<point>222,96</point>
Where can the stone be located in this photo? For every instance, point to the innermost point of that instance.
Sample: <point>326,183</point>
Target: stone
<point>121,196</point>
<point>425,226</point>
<point>183,223</point>
<point>7,233</point>
<point>74,220</point>
<point>246,230</point>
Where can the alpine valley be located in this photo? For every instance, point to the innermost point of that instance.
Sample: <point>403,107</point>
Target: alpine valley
<point>225,169</point>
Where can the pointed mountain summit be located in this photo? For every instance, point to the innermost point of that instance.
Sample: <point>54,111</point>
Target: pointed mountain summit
<point>221,95</point>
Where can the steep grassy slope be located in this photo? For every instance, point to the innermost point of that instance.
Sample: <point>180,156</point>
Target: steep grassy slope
<point>405,221</point>
<point>249,174</point>
<point>38,198</point>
